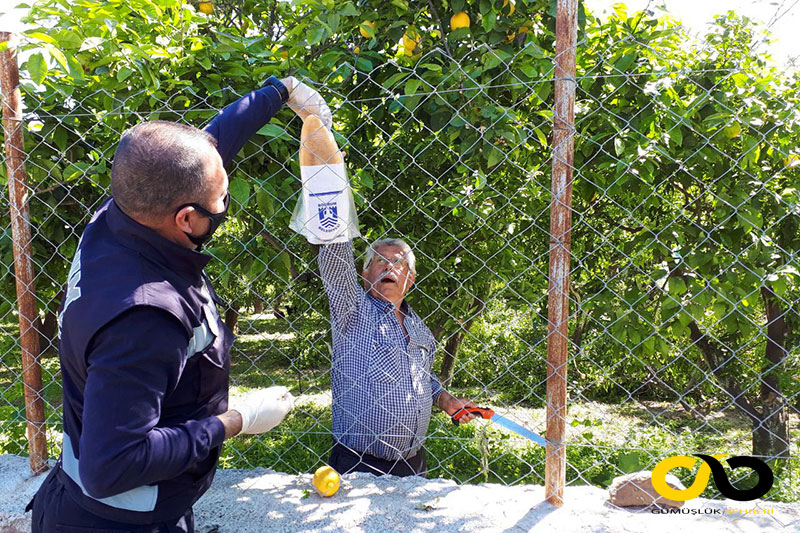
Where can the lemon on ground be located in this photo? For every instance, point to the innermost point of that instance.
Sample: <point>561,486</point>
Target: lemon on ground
<point>367,33</point>
<point>511,6</point>
<point>206,7</point>
<point>326,481</point>
<point>459,20</point>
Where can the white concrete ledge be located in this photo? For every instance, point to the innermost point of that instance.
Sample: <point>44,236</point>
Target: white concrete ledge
<point>254,501</point>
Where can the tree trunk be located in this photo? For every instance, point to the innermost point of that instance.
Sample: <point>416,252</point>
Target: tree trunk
<point>454,341</point>
<point>232,318</point>
<point>771,436</point>
<point>48,329</point>
<point>258,306</point>
<point>449,359</point>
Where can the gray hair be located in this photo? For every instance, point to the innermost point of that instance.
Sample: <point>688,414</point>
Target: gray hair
<point>159,165</point>
<point>408,253</point>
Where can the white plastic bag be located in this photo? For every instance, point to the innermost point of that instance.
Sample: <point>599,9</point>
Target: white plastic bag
<point>325,212</point>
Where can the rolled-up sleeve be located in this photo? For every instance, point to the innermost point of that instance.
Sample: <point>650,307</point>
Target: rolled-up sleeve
<point>132,364</point>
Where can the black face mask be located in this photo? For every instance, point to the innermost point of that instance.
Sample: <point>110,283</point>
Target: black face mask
<point>215,218</point>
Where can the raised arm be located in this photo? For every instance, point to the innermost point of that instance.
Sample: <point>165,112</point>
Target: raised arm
<point>336,264</point>
<point>340,279</point>
<point>240,120</point>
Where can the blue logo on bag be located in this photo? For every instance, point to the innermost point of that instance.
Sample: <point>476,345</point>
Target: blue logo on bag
<point>328,216</point>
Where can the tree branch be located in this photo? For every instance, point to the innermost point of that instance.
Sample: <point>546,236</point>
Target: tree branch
<point>441,28</point>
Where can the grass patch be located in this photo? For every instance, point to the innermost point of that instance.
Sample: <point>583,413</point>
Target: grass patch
<point>605,439</point>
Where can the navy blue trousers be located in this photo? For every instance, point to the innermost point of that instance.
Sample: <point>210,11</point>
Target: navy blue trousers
<point>344,460</point>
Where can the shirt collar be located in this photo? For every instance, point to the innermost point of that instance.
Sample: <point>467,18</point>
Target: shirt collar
<point>386,306</point>
<point>146,241</point>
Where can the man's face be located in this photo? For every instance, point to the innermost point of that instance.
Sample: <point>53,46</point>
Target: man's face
<point>388,276</point>
<point>190,220</point>
<point>217,188</point>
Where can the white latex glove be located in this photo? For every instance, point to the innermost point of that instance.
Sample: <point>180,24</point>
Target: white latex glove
<point>306,101</point>
<point>262,409</point>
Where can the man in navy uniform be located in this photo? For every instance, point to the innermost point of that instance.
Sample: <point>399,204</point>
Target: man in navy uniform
<point>145,358</point>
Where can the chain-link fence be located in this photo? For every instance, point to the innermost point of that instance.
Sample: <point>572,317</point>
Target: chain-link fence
<point>684,325</point>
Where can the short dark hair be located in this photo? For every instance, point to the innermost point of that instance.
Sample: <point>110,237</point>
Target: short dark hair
<point>159,165</point>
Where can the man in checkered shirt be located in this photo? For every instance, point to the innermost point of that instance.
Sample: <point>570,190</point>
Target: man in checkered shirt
<point>382,381</point>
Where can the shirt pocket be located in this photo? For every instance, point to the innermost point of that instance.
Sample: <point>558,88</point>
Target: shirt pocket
<point>385,364</point>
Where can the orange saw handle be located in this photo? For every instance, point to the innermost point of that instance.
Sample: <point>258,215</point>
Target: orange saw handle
<point>482,412</point>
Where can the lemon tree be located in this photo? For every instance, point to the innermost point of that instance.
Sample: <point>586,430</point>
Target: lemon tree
<point>685,253</point>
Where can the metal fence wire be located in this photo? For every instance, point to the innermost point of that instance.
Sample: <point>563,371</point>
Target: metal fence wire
<point>684,281</point>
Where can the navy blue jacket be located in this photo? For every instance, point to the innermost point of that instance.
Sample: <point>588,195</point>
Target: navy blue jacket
<point>145,357</point>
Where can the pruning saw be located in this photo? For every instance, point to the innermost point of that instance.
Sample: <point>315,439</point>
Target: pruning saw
<point>488,414</point>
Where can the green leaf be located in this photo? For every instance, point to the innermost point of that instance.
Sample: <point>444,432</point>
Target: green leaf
<point>412,85</point>
<point>677,286</point>
<point>317,35</point>
<point>349,10</point>
<point>624,62</point>
<point>240,191</point>
<point>676,135</point>
<point>392,80</point>
<point>41,36</point>
<point>401,5</point>
<point>58,55</point>
<point>123,74</point>
<point>283,266</point>
<point>265,203</point>
<point>541,136</point>
<point>489,20</point>
<point>495,156</point>
<point>37,68</point>
<point>273,131</point>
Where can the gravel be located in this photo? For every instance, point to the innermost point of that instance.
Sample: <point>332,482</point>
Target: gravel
<point>243,501</point>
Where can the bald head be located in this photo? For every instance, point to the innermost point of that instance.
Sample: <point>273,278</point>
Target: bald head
<point>160,165</point>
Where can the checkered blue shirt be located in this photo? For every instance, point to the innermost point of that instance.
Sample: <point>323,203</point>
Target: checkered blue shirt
<point>383,388</point>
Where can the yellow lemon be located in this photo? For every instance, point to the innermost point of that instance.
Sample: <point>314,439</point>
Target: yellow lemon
<point>367,33</point>
<point>410,41</point>
<point>459,20</point>
<point>326,481</point>
<point>206,7</point>
<point>357,50</point>
<point>732,130</point>
<point>511,7</point>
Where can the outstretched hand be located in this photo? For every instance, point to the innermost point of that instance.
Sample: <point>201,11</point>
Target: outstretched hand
<point>305,101</point>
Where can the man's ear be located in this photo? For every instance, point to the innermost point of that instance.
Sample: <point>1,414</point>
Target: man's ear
<point>183,219</point>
